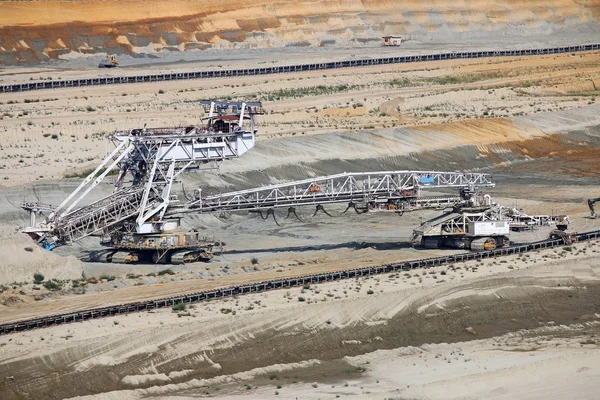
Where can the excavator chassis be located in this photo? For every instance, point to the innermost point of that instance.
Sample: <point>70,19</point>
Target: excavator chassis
<point>159,248</point>
<point>465,242</point>
<point>158,256</point>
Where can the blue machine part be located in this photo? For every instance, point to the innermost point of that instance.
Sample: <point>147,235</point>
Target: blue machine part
<point>44,244</point>
<point>426,180</point>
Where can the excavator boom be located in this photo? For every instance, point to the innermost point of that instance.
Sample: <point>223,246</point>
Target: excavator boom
<point>402,189</point>
<point>591,203</point>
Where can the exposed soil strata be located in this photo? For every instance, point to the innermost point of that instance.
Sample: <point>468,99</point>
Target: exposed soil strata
<point>34,32</point>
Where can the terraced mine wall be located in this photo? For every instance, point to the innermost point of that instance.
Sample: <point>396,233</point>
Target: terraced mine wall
<point>34,31</point>
<point>22,87</point>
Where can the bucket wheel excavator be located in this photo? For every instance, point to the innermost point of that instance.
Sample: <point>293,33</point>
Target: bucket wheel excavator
<point>133,220</point>
<point>140,220</point>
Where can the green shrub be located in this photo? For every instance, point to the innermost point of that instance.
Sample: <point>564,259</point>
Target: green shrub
<point>178,307</point>
<point>254,260</point>
<point>38,278</point>
<point>168,271</point>
<point>301,298</point>
<point>370,291</point>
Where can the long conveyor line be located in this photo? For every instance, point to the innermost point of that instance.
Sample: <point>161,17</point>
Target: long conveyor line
<point>282,283</point>
<point>114,80</point>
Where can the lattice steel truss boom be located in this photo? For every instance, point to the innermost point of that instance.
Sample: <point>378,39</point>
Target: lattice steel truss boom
<point>341,188</point>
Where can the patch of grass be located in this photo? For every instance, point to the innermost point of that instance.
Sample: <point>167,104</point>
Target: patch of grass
<point>307,91</point>
<point>178,307</point>
<point>355,370</point>
<point>457,79</point>
<point>52,285</point>
<point>85,173</point>
<point>109,278</point>
<point>168,271</point>
<point>402,82</point>
<point>301,299</point>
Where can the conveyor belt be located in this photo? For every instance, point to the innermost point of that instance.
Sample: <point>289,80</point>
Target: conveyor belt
<point>282,283</point>
<point>114,80</point>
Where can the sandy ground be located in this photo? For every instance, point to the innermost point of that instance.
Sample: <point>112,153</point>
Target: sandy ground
<point>48,134</point>
<point>536,362</point>
<point>188,351</point>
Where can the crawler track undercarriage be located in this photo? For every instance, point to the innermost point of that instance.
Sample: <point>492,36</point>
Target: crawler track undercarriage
<point>165,248</point>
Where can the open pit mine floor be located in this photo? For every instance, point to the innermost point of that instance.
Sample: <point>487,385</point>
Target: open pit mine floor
<point>317,339</point>
<point>494,329</point>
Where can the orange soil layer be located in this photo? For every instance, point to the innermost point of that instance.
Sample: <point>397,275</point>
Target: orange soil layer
<point>40,30</point>
<point>93,11</point>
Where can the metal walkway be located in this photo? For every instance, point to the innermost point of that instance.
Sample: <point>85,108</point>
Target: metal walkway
<point>340,188</point>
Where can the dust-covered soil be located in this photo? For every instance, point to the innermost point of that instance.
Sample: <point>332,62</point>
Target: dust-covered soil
<point>54,134</point>
<point>245,345</point>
